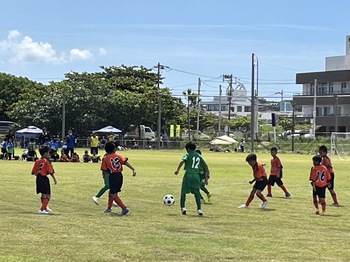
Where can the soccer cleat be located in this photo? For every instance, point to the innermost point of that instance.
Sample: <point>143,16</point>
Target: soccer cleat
<point>269,195</point>
<point>317,212</point>
<point>243,206</point>
<point>263,204</point>
<point>209,198</point>
<point>183,211</point>
<point>108,210</point>
<point>125,211</point>
<point>43,212</point>
<point>288,195</point>
<point>115,204</point>
<point>95,199</point>
<point>200,212</point>
<point>336,204</point>
<point>48,209</point>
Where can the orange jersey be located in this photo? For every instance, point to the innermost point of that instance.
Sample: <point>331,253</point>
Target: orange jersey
<point>320,175</point>
<point>42,167</point>
<point>259,171</point>
<point>113,163</point>
<point>326,161</point>
<point>276,166</point>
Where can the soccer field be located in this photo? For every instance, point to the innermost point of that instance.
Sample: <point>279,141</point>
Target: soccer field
<point>77,230</point>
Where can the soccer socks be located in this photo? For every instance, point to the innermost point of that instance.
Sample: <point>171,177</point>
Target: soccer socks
<point>119,202</point>
<point>44,203</point>
<point>249,200</point>
<point>323,207</point>
<point>284,189</point>
<point>334,196</point>
<point>263,199</point>
<point>110,202</point>
<point>315,202</point>
<point>102,191</point>
<point>269,187</point>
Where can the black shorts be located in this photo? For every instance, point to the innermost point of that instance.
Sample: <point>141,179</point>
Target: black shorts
<point>115,182</point>
<point>260,185</point>
<point>275,179</point>
<point>320,192</point>
<point>43,185</point>
<point>92,149</point>
<point>332,181</point>
<point>3,150</point>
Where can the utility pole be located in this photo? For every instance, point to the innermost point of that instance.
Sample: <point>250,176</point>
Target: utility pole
<point>229,94</point>
<point>159,67</point>
<point>63,115</point>
<point>198,103</point>
<point>315,111</point>
<point>220,93</point>
<point>252,115</point>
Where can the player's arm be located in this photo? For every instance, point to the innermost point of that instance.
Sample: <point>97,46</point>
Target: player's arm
<point>54,178</point>
<point>179,166</point>
<point>131,167</point>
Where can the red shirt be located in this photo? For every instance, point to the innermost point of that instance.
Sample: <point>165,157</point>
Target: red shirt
<point>113,163</point>
<point>276,166</point>
<point>320,175</point>
<point>259,171</point>
<point>42,167</point>
<point>326,161</point>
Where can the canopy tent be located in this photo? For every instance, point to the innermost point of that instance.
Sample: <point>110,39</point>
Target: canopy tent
<point>217,141</point>
<point>108,129</point>
<point>227,138</point>
<point>29,132</point>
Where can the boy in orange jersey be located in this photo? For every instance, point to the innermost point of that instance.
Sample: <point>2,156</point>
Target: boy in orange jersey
<point>260,180</point>
<point>112,164</point>
<point>320,178</point>
<point>326,161</point>
<point>41,169</point>
<point>276,174</point>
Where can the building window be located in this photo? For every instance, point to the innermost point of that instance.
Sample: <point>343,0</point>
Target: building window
<point>343,87</point>
<point>223,108</point>
<point>331,91</point>
<point>247,109</point>
<point>319,111</point>
<point>239,108</point>
<point>322,89</point>
<point>327,111</point>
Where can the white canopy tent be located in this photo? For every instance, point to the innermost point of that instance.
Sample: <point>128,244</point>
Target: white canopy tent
<point>29,132</point>
<point>108,129</point>
<point>228,139</point>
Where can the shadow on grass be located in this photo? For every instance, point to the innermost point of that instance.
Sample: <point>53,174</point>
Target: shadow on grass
<point>37,214</point>
<point>267,209</point>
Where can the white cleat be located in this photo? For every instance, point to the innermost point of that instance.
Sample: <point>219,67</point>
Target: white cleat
<point>200,212</point>
<point>243,206</point>
<point>263,204</point>
<point>43,212</point>
<point>95,199</point>
<point>48,209</point>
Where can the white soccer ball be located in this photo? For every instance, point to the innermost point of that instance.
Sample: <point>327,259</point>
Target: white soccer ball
<point>169,200</point>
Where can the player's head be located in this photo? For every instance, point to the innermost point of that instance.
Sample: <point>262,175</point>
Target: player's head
<point>198,151</point>
<point>110,147</point>
<point>251,157</point>
<point>44,150</point>
<point>273,151</point>
<point>190,146</point>
<point>317,160</point>
<point>322,150</point>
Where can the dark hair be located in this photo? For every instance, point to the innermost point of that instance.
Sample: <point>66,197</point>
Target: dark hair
<point>274,149</point>
<point>317,158</point>
<point>191,146</point>
<point>251,157</point>
<point>43,150</point>
<point>198,151</point>
<point>109,147</point>
<point>323,149</point>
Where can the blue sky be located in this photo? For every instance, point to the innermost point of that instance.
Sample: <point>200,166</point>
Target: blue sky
<point>43,40</point>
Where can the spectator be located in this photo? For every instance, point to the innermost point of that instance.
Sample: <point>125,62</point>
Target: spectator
<point>94,143</point>
<point>71,142</point>
<point>86,157</point>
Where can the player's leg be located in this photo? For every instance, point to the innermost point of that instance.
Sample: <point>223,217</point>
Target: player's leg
<point>102,190</point>
<point>315,201</point>
<point>270,184</point>
<point>250,198</point>
<point>279,182</point>
<point>185,189</point>
<point>331,190</point>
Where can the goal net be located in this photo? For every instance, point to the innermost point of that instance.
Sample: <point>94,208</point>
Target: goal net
<point>340,145</point>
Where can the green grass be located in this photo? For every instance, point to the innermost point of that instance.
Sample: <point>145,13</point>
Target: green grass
<point>288,230</point>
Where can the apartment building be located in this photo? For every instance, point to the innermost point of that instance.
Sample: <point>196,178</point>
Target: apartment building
<point>331,95</point>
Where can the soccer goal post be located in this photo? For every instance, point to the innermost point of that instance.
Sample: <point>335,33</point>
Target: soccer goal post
<point>340,145</point>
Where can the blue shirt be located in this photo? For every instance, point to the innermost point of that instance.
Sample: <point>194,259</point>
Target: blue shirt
<point>70,141</point>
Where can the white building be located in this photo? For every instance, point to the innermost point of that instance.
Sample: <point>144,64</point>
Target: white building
<point>332,95</point>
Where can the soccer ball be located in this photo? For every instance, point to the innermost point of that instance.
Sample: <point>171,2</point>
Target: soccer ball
<point>169,200</point>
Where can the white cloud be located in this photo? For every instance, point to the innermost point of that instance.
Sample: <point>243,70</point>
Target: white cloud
<point>76,54</point>
<point>23,49</point>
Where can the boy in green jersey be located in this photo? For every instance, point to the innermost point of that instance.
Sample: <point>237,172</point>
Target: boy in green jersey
<point>191,181</point>
<point>203,181</point>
